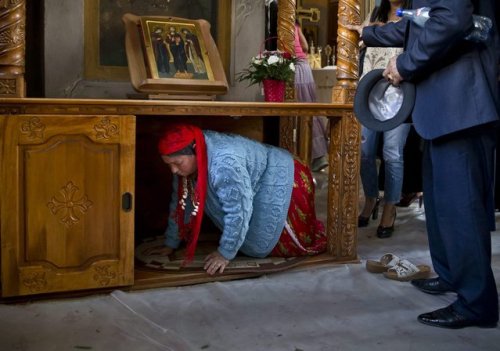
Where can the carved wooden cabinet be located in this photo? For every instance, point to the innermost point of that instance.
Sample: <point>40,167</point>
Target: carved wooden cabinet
<point>80,186</point>
<point>66,195</point>
<point>67,168</point>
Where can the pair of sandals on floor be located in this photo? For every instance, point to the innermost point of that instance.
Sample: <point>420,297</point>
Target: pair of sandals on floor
<point>397,268</point>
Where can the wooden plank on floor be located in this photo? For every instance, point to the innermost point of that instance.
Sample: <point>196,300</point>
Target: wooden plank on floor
<point>146,279</point>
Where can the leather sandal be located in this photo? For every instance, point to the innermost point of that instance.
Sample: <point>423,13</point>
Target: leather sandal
<point>387,261</point>
<point>405,271</point>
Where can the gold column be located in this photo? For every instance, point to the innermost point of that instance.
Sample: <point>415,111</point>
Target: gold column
<point>12,48</point>
<point>303,125</point>
<point>344,155</point>
<point>347,52</point>
<point>285,30</point>
<point>286,25</point>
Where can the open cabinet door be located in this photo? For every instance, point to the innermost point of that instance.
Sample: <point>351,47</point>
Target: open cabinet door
<point>66,195</point>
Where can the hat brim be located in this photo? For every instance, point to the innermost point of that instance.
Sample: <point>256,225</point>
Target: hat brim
<point>364,114</point>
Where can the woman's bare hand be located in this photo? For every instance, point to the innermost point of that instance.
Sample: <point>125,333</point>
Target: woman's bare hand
<point>355,27</point>
<point>359,27</point>
<point>215,262</point>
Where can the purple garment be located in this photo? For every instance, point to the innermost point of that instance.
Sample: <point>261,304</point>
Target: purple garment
<point>305,88</point>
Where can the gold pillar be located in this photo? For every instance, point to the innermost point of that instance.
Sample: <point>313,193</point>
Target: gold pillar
<point>286,25</point>
<point>286,31</point>
<point>12,48</point>
<point>344,155</point>
<point>347,52</point>
<point>299,143</point>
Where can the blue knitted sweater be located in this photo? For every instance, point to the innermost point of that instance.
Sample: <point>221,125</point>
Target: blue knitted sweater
<point>248,195</point>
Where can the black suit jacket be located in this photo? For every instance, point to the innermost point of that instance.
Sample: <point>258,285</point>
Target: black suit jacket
<point>456,80</point>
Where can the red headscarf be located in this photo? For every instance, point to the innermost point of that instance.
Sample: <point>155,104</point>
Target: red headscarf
<point>174,139</point>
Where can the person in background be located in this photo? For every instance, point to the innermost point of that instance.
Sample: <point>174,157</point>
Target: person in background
<point>412,177</point>
<point>393,141</point>
<point>305,88</point>
<point>456,112</point>
<point>411,190</point>
<point>259,196</point>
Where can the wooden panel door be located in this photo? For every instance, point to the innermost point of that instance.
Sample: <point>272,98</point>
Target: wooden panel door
<point>67,221</point>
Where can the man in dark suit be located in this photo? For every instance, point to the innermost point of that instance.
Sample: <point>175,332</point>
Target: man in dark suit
<point>456,111</point>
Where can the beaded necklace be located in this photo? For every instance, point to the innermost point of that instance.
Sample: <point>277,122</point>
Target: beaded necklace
<point>188,190</point>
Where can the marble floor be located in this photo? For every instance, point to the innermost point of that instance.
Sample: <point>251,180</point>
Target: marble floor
<point>339,307</point>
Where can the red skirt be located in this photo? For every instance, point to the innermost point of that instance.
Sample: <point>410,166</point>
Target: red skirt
<point>303,233</point>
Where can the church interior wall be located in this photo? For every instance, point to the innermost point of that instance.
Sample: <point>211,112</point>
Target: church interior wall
<point>64,52</point>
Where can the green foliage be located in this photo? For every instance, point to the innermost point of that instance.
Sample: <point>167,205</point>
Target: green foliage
<point>276,65</point>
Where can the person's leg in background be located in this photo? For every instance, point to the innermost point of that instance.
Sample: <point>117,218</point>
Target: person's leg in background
<point>319,147</point>
<point>394,142</point>
<point>369,175</point>
<point>412,174</point>
<point>305,88</point>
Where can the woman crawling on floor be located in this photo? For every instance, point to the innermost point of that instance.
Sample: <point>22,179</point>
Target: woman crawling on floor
<point>259,196</point>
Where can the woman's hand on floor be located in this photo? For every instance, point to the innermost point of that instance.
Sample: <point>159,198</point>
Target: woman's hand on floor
<point>215,262</point>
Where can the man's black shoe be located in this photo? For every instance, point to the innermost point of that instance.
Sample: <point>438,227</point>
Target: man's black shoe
<point>449,318</point>
<point>431,286</point>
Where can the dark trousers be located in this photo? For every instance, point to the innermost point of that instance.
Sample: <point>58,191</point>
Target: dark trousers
<point>458,186</point>
<point>497,173</point>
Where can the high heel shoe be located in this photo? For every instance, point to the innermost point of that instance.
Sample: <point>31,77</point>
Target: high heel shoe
<point>408,199</point>
<point>386,232</point>
<point>363,221</point>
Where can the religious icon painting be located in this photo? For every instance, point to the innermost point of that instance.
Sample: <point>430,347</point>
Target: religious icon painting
<point>175,49</point>
<point>173,55</point>
<point>105,52</point>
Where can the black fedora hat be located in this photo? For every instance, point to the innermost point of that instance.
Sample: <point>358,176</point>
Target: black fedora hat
<point>381,106</point>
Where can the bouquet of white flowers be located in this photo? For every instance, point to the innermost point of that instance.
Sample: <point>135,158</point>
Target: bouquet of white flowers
<point>276,65</point>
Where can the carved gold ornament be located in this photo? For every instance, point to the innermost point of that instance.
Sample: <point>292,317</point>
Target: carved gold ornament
<point>104,275</point>
<point>105,129</point>
<point>33,128</point>
<point>68,205</point>
<point>7,86</point>
<point>35,282</point>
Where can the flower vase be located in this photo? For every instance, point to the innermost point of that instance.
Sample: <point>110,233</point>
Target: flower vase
<point>274,90</point>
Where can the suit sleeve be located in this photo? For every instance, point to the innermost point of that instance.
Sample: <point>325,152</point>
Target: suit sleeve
<point>449,23</point>
<point>391,34</point>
